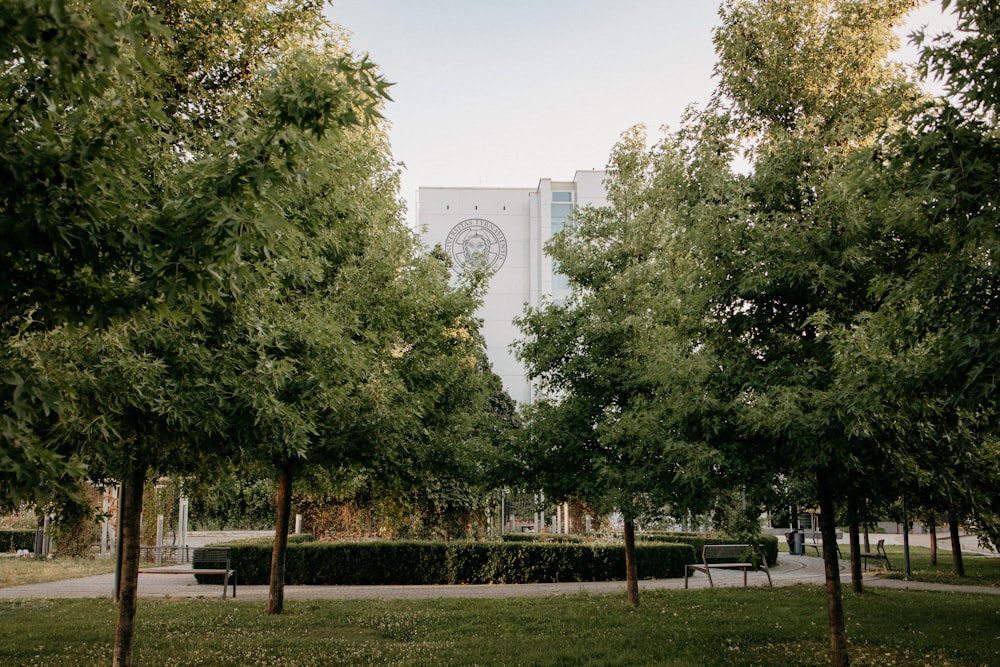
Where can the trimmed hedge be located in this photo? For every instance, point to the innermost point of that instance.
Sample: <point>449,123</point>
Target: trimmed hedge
<point>546,537</point>
<point>12,540</point>
<point>415,563</point>
<point>766,543</point>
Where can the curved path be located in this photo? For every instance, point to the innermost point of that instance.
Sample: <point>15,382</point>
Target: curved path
<point>790,570</point>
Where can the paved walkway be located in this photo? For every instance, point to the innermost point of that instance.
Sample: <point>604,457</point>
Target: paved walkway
<point>790,570</point>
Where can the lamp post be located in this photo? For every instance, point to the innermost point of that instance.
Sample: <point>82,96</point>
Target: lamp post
<point>906,542</point>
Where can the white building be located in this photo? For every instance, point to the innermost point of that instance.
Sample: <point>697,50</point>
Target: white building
<point>507,228</point>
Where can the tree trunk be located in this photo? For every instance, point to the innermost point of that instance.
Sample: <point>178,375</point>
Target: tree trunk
<point>834,597</point>
<point>956,547</point>
<point>933,527</point>
<point>130,506</point>
<point>631,567</point>
<point>857,581</point>
<point>276,592</point>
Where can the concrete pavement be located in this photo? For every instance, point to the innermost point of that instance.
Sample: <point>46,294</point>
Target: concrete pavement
<point>789,570</point>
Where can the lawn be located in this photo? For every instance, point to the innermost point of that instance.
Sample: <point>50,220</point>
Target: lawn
<point>979,570</point>
<point>15,571</point>
<point>754,626</point>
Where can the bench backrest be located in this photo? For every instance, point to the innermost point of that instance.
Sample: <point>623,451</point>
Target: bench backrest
<point>218,556</point>
<point>726,553</point>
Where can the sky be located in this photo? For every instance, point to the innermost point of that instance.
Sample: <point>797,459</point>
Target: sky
<point>502,93</point>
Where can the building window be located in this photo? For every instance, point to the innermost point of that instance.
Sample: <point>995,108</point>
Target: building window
<point>560,281</point>
<point>560,213</point>
<point>562,208</point>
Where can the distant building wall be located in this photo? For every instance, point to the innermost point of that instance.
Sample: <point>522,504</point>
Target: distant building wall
<point>506,229</point>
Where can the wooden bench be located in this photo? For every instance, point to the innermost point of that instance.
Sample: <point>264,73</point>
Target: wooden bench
<point>203,560</point>
<point>726,557</point>
<point>879,555</point>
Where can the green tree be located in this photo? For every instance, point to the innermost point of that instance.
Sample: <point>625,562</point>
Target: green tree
<point>121,193</point>
<point>596,434</point>
<point>145,164</point>
<point>350,352</point>
<point>924,360</point>
<point>805,85</point>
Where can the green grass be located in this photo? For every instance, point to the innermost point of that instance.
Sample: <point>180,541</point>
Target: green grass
<point>16,571</point>
<point>979,570</point>
<point>754,626</point>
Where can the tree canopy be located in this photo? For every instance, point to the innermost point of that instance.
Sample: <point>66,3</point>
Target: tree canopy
<point>123,194</point>
<point>820,295</point>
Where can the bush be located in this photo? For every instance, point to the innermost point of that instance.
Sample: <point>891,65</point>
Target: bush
<point>251,559</point>
<point>75,534</point>
<point>768,544</point>
<point>545,537</point>
<point>415,563</point>
<point>13,540</point>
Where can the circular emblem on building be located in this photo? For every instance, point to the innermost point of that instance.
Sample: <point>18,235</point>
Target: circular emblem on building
<point>477,244</point>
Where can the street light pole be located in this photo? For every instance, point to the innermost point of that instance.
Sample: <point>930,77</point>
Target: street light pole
<point>906,542</point>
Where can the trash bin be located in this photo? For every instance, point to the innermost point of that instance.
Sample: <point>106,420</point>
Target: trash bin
<point>796,543</point>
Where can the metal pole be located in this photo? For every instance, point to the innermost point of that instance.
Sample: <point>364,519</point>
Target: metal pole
<point>906,542</point>
<point>159,539</point>
<point>541,523</point>
<point>118,548</point>
<point>182,524</point>
<point>46,536</point>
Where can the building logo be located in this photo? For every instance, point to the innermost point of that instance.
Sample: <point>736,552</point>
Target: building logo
<point>477,244</point>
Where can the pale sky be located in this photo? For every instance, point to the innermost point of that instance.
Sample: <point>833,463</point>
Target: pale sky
<point>502,93</point>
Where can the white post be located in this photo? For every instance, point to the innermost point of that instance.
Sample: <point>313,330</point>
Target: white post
<point>104,526</point>
<point>182,524</point>
<point>535,527</point>
<point>46,538</point>
<point>159,539</point>
<point>540,525</point>
<point>298,524</point>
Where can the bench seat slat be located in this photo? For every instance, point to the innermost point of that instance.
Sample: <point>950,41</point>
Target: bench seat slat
<point>720,556</point>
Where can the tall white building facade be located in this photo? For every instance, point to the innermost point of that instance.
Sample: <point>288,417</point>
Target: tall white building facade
<point>506,229</point>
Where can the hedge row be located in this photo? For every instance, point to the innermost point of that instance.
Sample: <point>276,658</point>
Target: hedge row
<point>12,540</point>
<point>767,543</point>
<point>415,563</point>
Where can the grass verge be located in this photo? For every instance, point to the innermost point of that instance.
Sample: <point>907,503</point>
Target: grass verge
<point>979,570</point>
<point>755,626</point>
<point>16,571</point>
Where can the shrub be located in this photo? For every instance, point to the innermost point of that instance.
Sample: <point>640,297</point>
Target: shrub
<point>545,537</point>
<point>418,562</point>
<point>12,540</point>
<point>767,544</point>
<point>252,559</point>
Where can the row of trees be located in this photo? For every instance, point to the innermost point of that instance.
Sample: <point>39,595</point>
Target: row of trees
<point>206,268</point>
<point>798,285</point>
